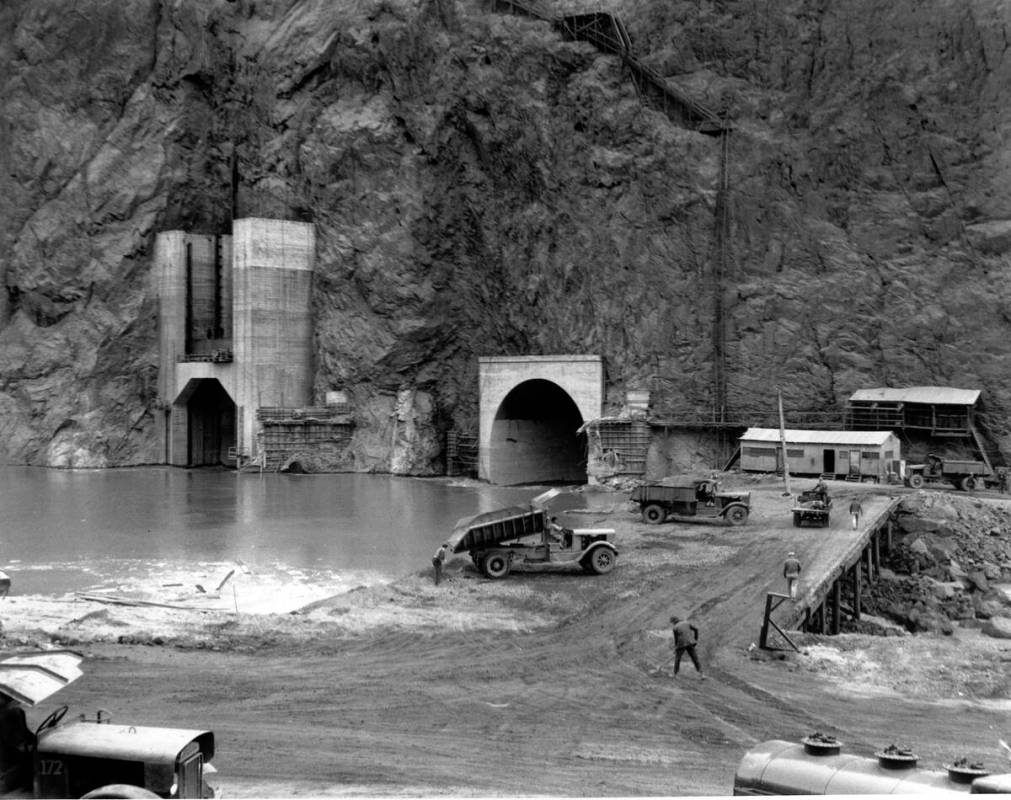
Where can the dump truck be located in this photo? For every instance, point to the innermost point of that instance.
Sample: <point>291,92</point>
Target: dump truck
<point>498,541</point>
<point>688,498</point>
<point>812,508</point>
<point>963,474</point>
<point>89,757</point>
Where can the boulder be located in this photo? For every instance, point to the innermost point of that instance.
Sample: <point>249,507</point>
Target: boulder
<point>998,627</point>
<point>978,579</point>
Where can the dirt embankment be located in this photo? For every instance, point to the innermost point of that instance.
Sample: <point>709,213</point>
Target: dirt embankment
<point>542,683</point>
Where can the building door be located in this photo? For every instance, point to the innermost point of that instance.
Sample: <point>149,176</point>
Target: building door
<point>829,461</point>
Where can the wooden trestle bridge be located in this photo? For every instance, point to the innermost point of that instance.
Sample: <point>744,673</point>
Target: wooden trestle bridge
<point>835,591</point>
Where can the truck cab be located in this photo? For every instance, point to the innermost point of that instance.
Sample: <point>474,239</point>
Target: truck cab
<point>94,758</point>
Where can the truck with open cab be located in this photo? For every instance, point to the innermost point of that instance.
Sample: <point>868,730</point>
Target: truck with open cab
<point>502,540</point>
<point>690,498</point>
<point>963,474</point>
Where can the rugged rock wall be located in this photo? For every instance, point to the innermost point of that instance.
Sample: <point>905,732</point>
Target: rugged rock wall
<point>481,187</point>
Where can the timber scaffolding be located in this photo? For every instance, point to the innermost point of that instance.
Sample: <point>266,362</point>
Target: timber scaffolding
<point>287,433</point>
<point>836,592</point>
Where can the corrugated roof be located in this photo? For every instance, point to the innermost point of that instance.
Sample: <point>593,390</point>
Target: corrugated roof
<point>795,436</point>
<point>945,395</point>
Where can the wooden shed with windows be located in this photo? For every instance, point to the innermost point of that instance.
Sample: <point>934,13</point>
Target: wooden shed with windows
<point>861,455</point>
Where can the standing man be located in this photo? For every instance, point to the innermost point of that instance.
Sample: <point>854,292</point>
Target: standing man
<point>791,571</point>
<point>438,560</point>
<point>686,636</point>
<point>855,511</point>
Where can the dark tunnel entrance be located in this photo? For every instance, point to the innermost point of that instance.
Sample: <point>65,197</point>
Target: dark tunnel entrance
<point>210,417</point>
<point>534,438</point>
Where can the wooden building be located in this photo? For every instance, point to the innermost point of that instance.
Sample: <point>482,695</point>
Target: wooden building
<point>934,410</point>
<point>837,454</point>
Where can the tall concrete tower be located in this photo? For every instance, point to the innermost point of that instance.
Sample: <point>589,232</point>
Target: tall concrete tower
<point>273,267</point>
<point>235,334</point>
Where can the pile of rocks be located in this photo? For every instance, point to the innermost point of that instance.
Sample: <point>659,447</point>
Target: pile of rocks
<point>950,565</point>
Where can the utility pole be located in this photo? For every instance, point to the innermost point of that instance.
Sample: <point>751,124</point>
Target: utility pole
<point>782,441</point>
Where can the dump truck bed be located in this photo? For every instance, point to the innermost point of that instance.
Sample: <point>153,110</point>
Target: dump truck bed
<point>495,527</point>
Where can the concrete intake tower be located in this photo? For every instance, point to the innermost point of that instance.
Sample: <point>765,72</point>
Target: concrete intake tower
<point>235,335</point>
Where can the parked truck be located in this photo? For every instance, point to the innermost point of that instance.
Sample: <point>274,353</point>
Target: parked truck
<point>690,498</point>
<point>937,471</point>
<point>89,757</point>
<point>497,541</point>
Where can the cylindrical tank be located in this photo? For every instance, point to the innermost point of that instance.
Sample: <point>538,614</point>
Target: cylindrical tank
<point>780,767</point>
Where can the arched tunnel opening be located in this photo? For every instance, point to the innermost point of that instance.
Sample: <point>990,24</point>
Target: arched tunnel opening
<point>210,417</point>
<point>534,437</point>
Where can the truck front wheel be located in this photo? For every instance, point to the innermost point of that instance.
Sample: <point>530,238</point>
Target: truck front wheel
<point>496,565</point>
<point>737,515</point>
<point>601,561</point>
<point>967,484</point>
<point>915,481</point>
<point>654,514</point>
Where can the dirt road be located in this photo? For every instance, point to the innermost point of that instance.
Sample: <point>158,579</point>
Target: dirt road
<point>540,684</point>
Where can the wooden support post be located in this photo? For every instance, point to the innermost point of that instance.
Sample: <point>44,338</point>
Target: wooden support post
<point>870,565</point>
<point>823,615</point>
<point>856,590</point>
<point>888,540</point>
<point>876,544</point>
<point>836,606</point>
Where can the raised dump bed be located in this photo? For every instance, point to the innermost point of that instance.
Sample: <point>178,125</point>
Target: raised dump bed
<point>513,536</point>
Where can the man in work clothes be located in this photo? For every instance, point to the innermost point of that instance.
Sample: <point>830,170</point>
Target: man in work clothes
<point>438,560</point>
<point>791,571</point>
<point>686,636</point>
<point>855,511</point>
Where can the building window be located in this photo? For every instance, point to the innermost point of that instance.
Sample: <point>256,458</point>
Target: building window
<point>760,452</point>
<point>867,455</point>
<point>889,455</point>
<point>794,453</point>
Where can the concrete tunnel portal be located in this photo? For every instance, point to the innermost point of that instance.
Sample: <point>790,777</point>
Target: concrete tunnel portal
<point>534,437</point>
<point>531,410</point>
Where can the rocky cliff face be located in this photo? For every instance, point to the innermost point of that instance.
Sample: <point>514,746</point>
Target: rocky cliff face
<point>482,187</point>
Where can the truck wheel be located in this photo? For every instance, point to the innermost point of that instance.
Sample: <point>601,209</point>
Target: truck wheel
<point>119,790</point>
<point>654,514</point>
<point>737,515</point>
<point>496,565</point>
<point>796,519</point>
<point>915,481</point>
<point>601,560</point>
<point>967,483</point>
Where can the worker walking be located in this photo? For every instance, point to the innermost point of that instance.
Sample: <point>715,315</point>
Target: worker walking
<point>686,636</point>
<point>438,560</point>
<point>791,571</point>
<point>856,510</point>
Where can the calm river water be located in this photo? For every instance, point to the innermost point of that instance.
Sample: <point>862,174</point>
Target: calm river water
<point>62,529</point>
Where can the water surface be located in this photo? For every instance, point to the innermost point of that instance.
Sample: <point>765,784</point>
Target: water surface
<point>63,529</point>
